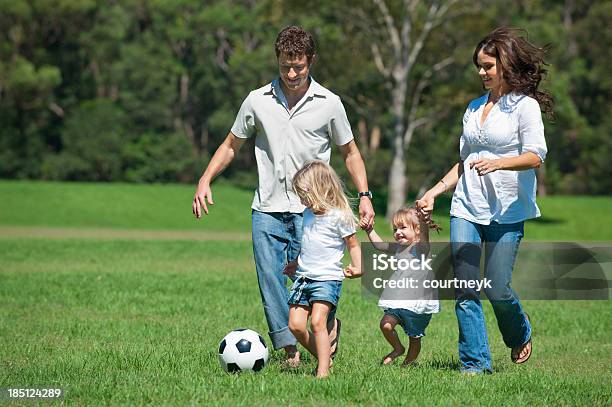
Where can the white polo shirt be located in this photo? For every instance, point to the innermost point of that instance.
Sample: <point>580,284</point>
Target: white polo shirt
<point>512,127</point>
<point>286,140</point>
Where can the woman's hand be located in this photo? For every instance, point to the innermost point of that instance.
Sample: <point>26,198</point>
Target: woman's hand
<point>290,268</point>
<point>486,166</point>
<point>425,206</point>
<point>352,272</point>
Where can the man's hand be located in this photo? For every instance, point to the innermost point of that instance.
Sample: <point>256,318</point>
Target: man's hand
<point>290,268</point>
<point>221,159</point>
<point>366,213</point>
<point>202,195</point>
<point>352,272</point>
<point>356,167</point>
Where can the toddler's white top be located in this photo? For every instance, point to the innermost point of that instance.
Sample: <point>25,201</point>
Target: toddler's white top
<point>323,245</point>
<point>419,300</point>
<point>512,127</point>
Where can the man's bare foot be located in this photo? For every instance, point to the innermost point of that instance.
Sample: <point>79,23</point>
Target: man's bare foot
<point>292,359</point>
<point>388,359</point>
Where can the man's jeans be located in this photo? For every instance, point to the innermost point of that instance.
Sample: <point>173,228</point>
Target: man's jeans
<point>501,247</point>
<point>276,241</point>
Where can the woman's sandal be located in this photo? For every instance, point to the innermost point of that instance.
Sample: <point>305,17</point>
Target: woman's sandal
<point>336,340</point>
<point>516,352</point>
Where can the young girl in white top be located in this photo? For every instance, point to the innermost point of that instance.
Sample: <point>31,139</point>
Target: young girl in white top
<point>413,314</point>
<point>329,227</point>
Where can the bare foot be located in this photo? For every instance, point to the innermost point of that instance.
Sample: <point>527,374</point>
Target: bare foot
<point>388,359</point>
<point>408,361</point>
<point>322,375</point>
<point>413,351</point>
<point>292,360</point>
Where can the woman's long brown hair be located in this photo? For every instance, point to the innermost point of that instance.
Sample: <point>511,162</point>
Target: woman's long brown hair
<point>522,63</point>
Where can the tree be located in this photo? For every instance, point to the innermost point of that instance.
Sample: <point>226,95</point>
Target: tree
<point>397,40</point>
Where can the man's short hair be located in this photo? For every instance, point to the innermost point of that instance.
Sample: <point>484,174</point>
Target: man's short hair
<point>295,42</point>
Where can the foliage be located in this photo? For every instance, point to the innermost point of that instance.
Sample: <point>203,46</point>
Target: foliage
<point>145,91</point>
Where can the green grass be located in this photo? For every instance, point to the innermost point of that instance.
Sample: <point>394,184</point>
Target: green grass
<point>132,322</point>
<point>137,322</point>
<point>120,206</point>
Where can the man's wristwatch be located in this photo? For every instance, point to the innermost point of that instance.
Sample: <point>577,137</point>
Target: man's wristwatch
<point>365,193</point>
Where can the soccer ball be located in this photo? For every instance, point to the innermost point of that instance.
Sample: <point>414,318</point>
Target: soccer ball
<point>243,349</point>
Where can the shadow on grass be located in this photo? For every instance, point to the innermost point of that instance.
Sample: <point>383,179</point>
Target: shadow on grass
<point>547,220</point>
<point>444,364</point>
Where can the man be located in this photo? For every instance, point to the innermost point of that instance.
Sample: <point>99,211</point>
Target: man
<point>294,119</point>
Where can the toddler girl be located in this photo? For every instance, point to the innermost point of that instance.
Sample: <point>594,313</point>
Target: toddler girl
<point>412,241</point>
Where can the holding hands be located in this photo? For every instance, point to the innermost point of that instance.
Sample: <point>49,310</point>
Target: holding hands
<point>366,213</point>
<point>425,207</point>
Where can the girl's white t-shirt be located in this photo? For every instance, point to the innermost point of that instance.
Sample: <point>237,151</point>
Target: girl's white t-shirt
<point>323,245</point>
<point>424,301</point>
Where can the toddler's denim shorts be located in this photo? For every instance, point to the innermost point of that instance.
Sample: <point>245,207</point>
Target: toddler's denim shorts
<point>305,290</point>
<point>414,324</point>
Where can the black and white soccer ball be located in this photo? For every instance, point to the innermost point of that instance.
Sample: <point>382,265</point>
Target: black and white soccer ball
<point>243,350</point>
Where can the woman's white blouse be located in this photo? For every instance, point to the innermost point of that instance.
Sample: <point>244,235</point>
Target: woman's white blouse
<point>512,127</point>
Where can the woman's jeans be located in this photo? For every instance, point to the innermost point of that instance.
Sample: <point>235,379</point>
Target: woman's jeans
<point>277,238</point>
<point>501,242</point>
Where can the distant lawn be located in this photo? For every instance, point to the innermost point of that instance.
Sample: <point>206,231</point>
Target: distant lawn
<point>120,206</point>
<point>168,207</point>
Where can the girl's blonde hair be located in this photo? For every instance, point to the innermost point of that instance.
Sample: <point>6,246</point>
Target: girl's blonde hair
<point>320,189</point>
<point>409,217</point>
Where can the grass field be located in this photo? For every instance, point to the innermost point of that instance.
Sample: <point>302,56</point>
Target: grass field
<point>114,293</point>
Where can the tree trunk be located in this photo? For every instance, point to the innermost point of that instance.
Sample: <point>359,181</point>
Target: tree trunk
<point>362,129</point>
<point>375,136</point>
<point>397,180</point>
<point>397,173</point>
<point>541,178</point>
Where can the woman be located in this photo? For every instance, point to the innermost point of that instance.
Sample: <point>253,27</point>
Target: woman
<point>495,187</point>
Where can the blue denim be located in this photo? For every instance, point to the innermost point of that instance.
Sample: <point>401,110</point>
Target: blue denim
<point>413,324</point>
<point>277,240</point>
<point>501,242</point>
<point>305,290</point>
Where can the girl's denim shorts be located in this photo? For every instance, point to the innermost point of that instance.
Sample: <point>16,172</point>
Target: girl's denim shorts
<point>414,324</point>
<point>305,290</point>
